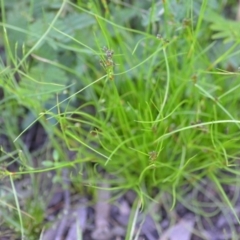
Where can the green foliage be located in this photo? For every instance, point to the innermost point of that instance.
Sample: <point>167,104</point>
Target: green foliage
<point>225,29</point>
<point>160,113</point>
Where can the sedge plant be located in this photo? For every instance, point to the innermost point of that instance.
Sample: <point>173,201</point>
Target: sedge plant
<point>146,109</point>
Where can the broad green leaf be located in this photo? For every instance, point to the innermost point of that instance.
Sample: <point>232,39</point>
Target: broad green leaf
<point>226,29</point>
<point>44,80</point>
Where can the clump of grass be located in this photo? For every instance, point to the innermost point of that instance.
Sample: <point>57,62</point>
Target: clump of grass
<point>165,114</point>
<point>160,122</point>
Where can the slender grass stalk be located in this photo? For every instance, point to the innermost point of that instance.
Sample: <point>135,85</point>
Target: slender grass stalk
<point>17,206</point>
